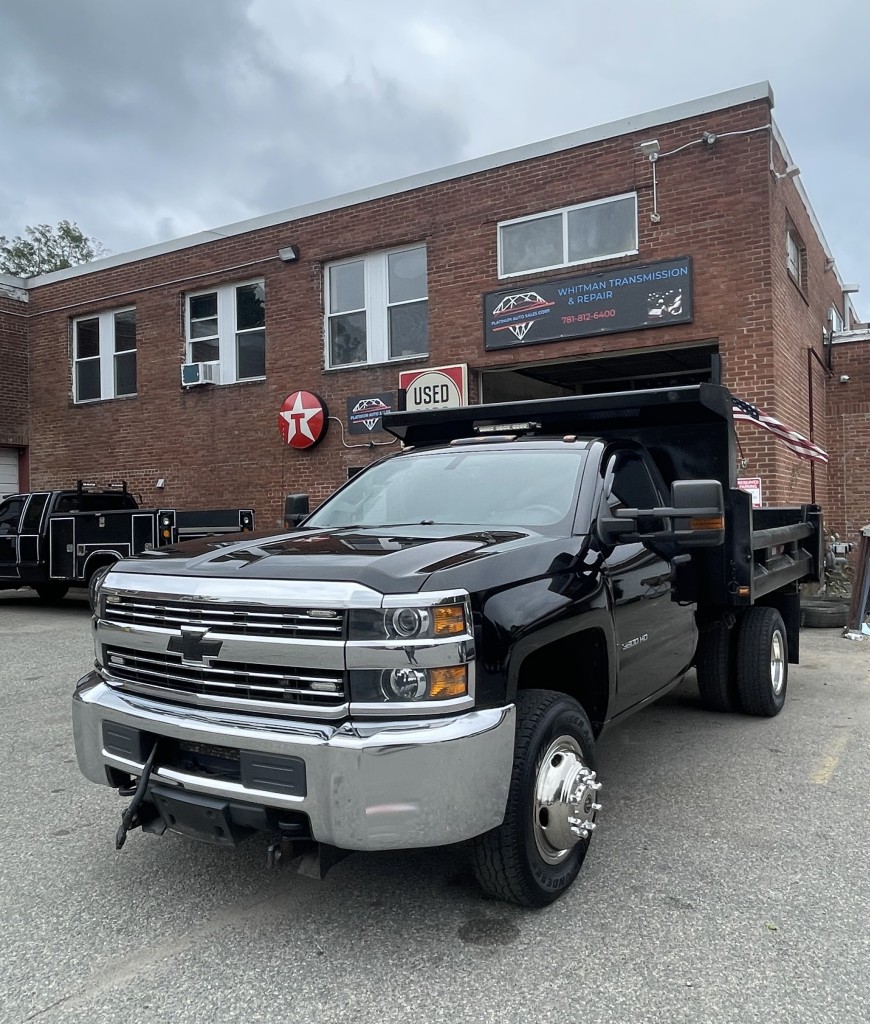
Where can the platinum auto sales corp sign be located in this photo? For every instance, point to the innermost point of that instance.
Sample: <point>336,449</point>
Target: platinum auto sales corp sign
<point>440,387</point>
<point>303,420</point>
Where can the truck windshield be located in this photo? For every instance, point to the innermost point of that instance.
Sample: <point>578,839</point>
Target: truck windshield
<point>524,487</point>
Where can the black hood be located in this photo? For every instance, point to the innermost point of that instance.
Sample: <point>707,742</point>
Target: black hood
<point>388,559</point>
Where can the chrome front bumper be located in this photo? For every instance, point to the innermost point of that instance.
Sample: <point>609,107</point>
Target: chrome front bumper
<point>370,785</point>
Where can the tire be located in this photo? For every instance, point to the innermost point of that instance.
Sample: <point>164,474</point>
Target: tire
<point>714,666</point>
<point>51,593</point>
<point>823,614</point>
<point>762,662</point>
<point>521,861</point>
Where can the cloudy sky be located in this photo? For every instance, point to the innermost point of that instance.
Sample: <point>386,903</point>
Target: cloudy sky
<point>145,120</point>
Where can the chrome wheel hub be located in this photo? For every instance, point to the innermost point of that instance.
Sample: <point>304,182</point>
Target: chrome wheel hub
<point>565,803</point>
<point>777,663</point>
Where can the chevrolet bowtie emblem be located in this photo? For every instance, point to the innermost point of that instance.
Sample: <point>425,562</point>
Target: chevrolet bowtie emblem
<point>193,647</point>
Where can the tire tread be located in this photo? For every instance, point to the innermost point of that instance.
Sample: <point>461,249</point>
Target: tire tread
<point>753,661</point>
<point>714,668</point>
<point>496,858</point>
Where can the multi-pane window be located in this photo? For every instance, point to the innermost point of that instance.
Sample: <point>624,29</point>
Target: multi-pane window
<point>227,325</point>
<point>104,356</point>
<point>377,307</point>
<point>604,229</point>
<point>795,256</point>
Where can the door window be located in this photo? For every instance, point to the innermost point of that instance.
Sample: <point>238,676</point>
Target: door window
<point>10,513</point>
<point>33,515</point>
<point>633,487</point>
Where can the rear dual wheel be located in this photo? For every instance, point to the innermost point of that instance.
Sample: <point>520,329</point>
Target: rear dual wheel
<point>762,662</point>
<point>746,667</point>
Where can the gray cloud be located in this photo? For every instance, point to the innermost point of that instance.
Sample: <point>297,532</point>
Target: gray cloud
<point>148,121</point>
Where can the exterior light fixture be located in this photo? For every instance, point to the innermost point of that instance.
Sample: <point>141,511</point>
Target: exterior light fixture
<point>651,149</point>
<point>709,137</point>
<point>289,254</point>
<point>790,172</point>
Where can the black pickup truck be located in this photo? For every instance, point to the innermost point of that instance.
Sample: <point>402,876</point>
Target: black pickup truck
<point>54,540</point>
<point>430,657</point>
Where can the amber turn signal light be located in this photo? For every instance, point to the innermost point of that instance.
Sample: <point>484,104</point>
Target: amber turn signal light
<point>707,523</point>
<point>445,683</point>
<point>448,620</point>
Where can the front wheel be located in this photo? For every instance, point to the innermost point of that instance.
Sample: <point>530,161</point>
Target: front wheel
<point>537,851</point>
<point>762,662</point>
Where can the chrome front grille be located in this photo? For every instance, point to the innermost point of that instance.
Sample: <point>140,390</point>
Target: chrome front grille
<point>301,624</point>
<point>226,684</point>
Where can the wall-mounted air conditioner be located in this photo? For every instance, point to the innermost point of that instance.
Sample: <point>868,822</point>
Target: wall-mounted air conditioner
<point>200,373</point>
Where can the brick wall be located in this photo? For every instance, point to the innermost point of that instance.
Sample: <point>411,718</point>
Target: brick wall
<point>848,506</point>
<point>14,431</point>
<point>221,445</point>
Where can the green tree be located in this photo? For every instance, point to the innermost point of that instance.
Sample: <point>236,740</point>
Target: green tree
<point>46,249</point>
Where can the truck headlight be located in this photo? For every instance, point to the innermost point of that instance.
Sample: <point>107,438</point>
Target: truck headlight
<point>411,622</point>
<point>405,685</point>
<point>407,622</point>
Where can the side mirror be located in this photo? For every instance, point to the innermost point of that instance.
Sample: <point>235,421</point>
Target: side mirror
<point>295,509</point>
<point>696,512</point>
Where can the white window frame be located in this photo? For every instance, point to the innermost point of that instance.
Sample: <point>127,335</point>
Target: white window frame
<point>836,320</point>
<point>564,211</point>
<point>227,313</point>
<point>106,356</point>
<point>376,295</point>
<point>795,256</point>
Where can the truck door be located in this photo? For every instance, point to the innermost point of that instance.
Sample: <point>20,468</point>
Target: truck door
<point>10,516</point>
<point>655,637</point>
<point>30,544</point>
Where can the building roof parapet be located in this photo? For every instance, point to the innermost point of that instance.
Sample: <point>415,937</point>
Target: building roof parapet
<point>13,288</point>
<point>861,333</point>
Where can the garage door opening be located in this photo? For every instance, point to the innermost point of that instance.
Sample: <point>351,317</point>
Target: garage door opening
<point>8,471</point>
<point>658,368</point>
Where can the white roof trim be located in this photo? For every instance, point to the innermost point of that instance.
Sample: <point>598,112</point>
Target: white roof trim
<point>641,122</point>
<point>13,287</point>
<point>798,184</point>
<point>857,334</point>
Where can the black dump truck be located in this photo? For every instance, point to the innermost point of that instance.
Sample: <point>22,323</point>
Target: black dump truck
<point>54,540</point>
<point>430,657</point>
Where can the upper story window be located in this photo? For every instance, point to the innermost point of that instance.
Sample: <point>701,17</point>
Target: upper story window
<point>836,320</point>
<point>104,356</point>
<point>377,307</point>
<point>796,256</point>
<point>227,325</point>
<point>603,229</point>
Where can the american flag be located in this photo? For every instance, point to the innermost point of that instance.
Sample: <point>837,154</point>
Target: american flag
<point>800,445</point>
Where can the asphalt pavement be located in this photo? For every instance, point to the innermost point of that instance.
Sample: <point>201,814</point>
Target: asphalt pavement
<point>728,881</point>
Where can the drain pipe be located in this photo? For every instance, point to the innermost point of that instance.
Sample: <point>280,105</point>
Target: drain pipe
<point>812,354</point>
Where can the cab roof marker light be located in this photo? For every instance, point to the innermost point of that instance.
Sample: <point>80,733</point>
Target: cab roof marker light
<point>505,428</point>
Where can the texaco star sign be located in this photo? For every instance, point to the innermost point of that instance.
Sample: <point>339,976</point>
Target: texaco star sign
<point>303,419</point>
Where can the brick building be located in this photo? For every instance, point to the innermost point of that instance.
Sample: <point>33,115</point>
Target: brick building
<point>572,265</point>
